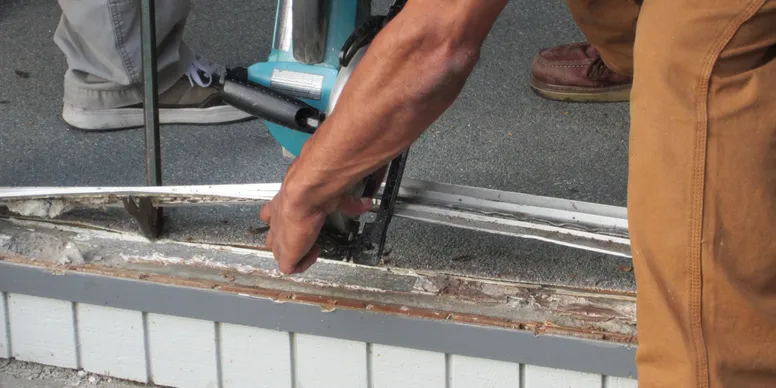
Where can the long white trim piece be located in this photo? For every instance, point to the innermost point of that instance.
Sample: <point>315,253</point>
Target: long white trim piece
<point>258,191</point>
<point>589,226</point>
<point>411,191</point>
<point>559,352</point>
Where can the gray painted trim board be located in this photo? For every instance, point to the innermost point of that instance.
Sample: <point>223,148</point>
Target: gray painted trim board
<point>567,353</point>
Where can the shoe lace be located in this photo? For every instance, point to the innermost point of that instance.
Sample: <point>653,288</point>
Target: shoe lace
<point>596,69</point>
<point>203,72</point>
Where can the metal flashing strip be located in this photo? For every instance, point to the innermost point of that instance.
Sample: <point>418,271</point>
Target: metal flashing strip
<point>524,347</point>
<point>612,219</point>
<point>589,226</point>
<point>583,225</point>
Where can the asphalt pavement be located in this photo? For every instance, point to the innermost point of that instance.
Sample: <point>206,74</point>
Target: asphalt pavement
<point>498,135</point>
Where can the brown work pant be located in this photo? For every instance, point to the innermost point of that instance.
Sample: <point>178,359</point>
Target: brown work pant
<point>702,185</point>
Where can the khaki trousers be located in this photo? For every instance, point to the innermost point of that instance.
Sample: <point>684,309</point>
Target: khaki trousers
<point>101,41</point>
<point>702,184</point>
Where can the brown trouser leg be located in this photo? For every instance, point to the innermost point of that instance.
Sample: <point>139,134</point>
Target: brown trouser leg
<point>610,26</point>
<point>702,193</point>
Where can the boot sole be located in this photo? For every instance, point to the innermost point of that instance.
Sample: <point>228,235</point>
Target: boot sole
<point>130,118</point>
<point>557,93</point>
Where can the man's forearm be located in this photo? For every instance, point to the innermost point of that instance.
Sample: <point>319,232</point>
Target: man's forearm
<point>411,74</point>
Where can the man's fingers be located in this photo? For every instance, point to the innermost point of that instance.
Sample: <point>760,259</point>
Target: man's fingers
<point>293,258</point>
<point>287,255</point>
<point>291,239</point>
<point>308,260</point>
<point>266,213</point>
<point>285,266</point>
<point>353,206</point>
<point>268,241</point>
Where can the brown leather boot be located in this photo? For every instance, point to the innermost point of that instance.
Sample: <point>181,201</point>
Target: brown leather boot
<point>576,72</point>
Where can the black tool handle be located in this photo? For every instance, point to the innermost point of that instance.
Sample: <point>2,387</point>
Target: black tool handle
<point>271,105</point>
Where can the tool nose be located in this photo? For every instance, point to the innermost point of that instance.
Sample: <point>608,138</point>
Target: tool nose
<point>271,105</point>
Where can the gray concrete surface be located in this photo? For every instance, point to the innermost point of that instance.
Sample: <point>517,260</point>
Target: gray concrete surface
<point>497,135</point>
<point>18,374</point>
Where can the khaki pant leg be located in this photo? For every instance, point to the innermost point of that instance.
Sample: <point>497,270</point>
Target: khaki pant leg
<point>101,41</point>
<point>610,26</point>
<point>702,193</point>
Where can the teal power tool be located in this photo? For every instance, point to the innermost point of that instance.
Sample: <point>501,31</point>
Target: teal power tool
<point>316,46</point>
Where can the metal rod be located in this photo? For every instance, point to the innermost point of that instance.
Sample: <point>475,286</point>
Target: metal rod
<point>153,157</point>
<point>148,216</point>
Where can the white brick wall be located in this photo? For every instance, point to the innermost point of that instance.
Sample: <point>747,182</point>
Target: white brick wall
<point>189,353</point>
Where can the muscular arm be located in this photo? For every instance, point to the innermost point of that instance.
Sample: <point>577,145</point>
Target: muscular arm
<point>412,72</point>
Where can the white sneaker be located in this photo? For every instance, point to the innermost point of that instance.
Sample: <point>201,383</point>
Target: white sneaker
<point>191,100</point>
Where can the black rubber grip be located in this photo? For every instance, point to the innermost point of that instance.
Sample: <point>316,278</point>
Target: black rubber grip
<point>273,106</point>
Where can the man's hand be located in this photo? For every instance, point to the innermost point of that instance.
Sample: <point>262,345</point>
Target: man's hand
<point>412,72</point>
<point>295,225</point>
